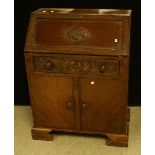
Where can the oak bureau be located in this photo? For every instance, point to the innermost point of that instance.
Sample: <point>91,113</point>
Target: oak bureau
<point>77,63</point>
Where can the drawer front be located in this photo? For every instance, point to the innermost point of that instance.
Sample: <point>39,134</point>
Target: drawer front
<point>70,65</point>
<point>94,34</point>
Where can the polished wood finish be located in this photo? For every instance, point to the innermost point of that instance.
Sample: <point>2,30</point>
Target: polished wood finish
<point>42,134</point>
<point>95,98</point>
<point>71,32</point>
<point>48,31</point>
<point>77,63</point>
<point>117,140</point>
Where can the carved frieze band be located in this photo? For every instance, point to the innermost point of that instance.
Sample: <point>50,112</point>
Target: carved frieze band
<point>70,66</point>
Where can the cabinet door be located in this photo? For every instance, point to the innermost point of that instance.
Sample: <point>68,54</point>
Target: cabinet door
<point>102,105</point>
<point>52,101</point>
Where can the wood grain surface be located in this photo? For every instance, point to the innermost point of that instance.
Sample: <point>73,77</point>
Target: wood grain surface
<point>77,69</point>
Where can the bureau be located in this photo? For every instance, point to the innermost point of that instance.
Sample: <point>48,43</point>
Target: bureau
<point>77,63</point>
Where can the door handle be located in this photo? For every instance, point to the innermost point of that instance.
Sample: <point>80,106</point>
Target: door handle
<point>84,106</point>
<point>70,105</point>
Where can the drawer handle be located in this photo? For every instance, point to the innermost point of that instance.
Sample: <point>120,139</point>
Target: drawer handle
<point>49,65</point>
<point>78,33</point>
<point>102,68</point>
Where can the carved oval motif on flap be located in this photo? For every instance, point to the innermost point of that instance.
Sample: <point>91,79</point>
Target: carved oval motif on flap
<point>78,33</point>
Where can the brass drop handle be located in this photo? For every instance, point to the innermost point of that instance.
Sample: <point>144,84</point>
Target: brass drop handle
<point>83,106</point>
<point>103,68</point>
<point>69,104</point>
<point>49,65</point>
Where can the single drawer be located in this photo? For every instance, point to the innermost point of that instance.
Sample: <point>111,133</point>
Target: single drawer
<point>101,35</point>
<point>77,65</point>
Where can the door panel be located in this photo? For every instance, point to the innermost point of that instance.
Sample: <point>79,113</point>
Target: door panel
<point>102,105</point>
<point>52,101</point>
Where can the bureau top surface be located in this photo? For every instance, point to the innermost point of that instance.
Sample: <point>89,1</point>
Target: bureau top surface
<point>62,11</point>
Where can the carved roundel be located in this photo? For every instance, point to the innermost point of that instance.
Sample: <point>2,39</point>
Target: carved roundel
<point>76,67</point>
<point>85,67</point>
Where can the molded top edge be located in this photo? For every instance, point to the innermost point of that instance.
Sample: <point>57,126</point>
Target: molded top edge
<point>53,11</point>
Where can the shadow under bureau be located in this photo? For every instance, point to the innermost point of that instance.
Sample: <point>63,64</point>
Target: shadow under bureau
<point>77,63</point>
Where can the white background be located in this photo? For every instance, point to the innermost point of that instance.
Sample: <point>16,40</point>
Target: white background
<point>6,77</point>
<point>148,77</point>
